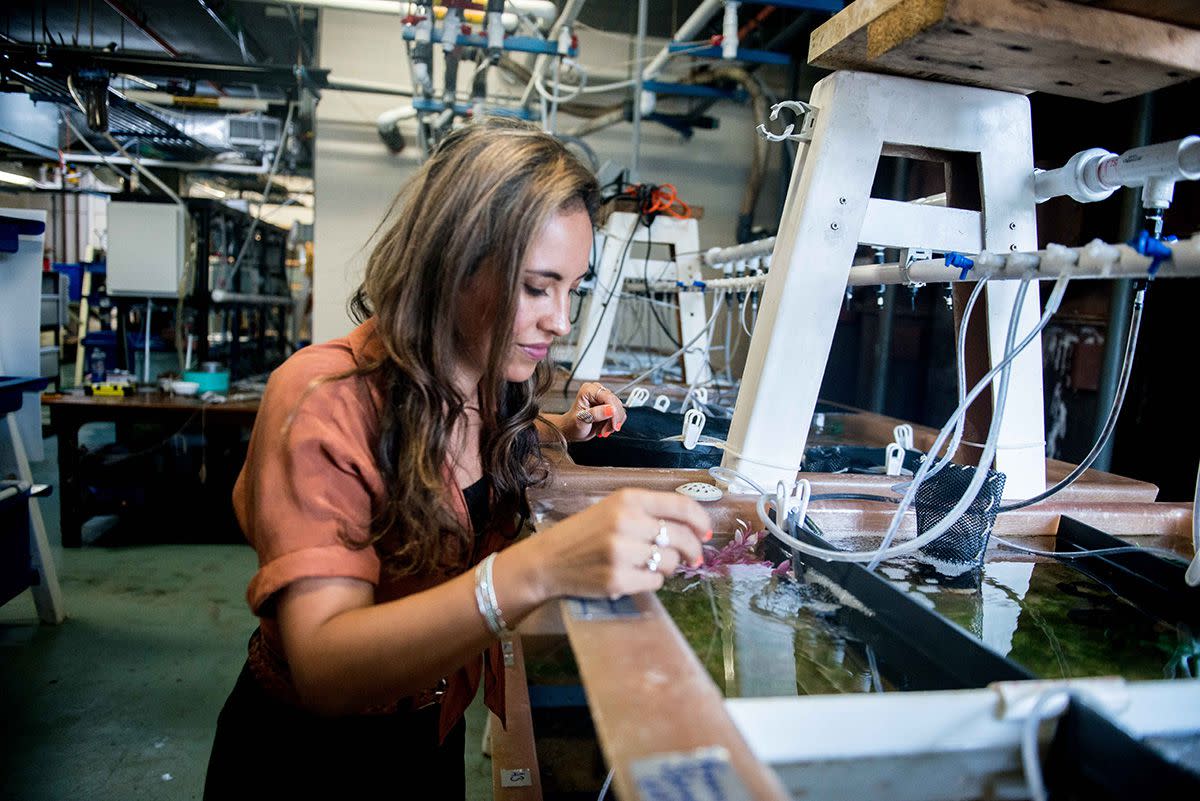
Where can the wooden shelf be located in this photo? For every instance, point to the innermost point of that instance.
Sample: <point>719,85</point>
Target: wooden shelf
<point>1054,46</point>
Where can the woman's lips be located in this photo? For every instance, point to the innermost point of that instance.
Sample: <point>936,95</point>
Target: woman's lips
<point>536,352</point>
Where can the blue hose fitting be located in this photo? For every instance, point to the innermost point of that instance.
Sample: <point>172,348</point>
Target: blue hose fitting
<point>956,259</point>
<point>1156,249</point>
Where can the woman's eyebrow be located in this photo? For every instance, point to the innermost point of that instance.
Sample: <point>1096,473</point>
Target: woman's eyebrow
<point>547,274</point>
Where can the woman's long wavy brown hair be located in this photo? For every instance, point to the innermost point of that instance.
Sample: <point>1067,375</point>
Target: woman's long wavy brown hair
<point>470,214</point>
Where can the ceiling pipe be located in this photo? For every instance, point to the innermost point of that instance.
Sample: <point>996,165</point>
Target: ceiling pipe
<point>392,8</point>
<point>566,18</point>
<point>184,166</point>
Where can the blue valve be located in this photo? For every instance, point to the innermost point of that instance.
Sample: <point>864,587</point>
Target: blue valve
<point>955,259</point>
<point>1145,244</point>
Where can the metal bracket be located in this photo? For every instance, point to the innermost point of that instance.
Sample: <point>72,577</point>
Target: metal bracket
<point>806,114</point>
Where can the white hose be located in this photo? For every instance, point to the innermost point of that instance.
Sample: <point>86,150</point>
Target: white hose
<point>884,551</point>
<point>962,377</point>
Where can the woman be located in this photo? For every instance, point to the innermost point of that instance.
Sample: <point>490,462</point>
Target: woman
<point>384,465</point>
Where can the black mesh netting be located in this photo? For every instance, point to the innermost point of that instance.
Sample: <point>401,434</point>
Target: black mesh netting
<point>961,547</point>
<point>639,443</point>
<point>852,459</point>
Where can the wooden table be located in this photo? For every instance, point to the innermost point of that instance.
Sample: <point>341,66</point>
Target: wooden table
<point>68,413</point>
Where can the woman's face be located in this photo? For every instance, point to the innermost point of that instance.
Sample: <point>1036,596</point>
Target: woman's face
<point>554,265</point>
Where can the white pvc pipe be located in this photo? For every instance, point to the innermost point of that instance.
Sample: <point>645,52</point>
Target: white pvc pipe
<point>1094,174</point>
<point>1094,260</point>
<point>233,169</point>
<point>393,8</point>
<point>222,296</point>
<point>226,103</point>
<point>690,27</point>
<point>715,257</point>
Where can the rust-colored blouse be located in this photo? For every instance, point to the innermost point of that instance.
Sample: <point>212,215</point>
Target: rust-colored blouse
<point>310,484</point>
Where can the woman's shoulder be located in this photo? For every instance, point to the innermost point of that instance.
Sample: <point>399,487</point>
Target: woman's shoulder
<point>321,377</point>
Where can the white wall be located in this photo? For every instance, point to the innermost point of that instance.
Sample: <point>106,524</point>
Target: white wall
<point>356,178</point>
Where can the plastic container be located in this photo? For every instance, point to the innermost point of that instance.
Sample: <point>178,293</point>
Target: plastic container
<point>209,382</point>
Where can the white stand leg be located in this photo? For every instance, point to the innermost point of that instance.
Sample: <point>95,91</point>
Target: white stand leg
<point>829,212</point>
<point>600,308</point>
<point>47,595</point>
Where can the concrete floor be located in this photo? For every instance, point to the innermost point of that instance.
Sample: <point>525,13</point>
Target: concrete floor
<point>120,701</point>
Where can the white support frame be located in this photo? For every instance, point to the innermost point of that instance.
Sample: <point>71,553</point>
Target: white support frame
<point>47,594</point>
<point>600,306</point>
<point>829,212</point>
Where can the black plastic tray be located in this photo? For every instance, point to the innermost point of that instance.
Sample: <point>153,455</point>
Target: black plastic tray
<point>1147,581</point>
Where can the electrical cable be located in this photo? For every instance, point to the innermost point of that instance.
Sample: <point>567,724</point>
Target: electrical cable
<point>66,118</point>
<point>990,444</point>
<point>1148,549</point>
<point>607,782</point>
<point>646,282</point>
<point>603,307</point>
<point>135,162</point>
<point>1114,411</point>
<point>961,372</point>
<point>667,360</point>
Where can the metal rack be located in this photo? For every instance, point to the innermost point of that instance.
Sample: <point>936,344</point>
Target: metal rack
<point>241,317</point>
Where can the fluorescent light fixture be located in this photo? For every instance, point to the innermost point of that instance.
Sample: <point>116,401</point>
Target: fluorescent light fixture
<point>13,178</point>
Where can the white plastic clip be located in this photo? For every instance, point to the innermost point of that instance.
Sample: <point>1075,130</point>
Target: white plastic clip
<point>693,424</point>
<point>803,111</point>
<point>904,436</point>
<point>894,461</point>
<point>662,403</point>
<point>637,397</point>
<point>701,395</point>
<point>801,495</point>
<point>796,502</point>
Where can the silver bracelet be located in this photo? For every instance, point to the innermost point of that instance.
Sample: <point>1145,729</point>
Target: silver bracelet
<point>486,601</point>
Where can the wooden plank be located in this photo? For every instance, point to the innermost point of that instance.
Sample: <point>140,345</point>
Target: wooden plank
<point>649,695</point>
<point>1176,12</point>
<point>1053,46</point>
<point>513,747</point>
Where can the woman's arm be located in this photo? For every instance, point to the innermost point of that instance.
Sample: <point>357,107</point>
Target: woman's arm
<point>346,653</point>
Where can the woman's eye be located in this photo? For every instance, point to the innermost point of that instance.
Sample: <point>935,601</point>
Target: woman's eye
<point>536,291</point>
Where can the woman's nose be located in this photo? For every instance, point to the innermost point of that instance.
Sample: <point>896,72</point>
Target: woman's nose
<point>558,322</point>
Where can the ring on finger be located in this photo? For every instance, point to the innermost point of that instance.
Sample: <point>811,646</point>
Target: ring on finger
<point>654,560</point>
<point>662,539</point>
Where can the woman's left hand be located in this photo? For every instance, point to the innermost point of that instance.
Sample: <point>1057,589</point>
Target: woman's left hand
<point>597,412</point>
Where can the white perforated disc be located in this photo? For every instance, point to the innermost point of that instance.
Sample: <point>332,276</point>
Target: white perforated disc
<point>700,491</point>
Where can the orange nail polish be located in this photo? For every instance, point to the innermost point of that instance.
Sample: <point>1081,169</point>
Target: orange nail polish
<point>603,434</point>
<point>708,536</point>
<point>608,409</point>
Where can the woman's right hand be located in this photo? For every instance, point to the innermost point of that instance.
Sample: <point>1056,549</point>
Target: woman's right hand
<point>606,550</point>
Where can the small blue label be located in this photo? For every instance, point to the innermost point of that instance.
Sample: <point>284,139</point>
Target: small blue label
<point>702,775</point>
<point>603,608</point>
